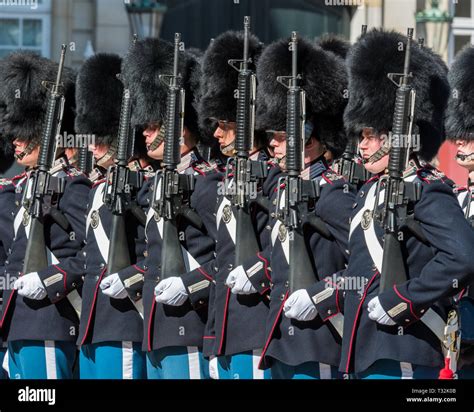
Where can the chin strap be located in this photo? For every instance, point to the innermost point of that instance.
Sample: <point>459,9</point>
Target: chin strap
<point>464,157</point>
<point>160,137</point>
<point>107,156</point>
<point>228,150</point>
<point>28,149</point>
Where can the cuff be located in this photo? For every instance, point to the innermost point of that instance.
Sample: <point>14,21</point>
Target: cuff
<point>400,309</point>
<point>197,284</point>
<point>132,278</point>
<point>327,298</point>
<point>258,271</point>
<point>58,283</point>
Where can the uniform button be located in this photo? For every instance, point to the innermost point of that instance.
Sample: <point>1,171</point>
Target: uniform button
<point>354,205</point>
<point>83,278</point>
<point>272,214</point>
<point>17,203</point>
<point>262,285</point>
<point>96,278</point>
<point>145,267</point>
<point>362,193</point>
<point>157,278</point>
<point>201,302</point>
<point>268,227</point>
<point>274,202</point>
<point>73,285</point>
<point>422,311</point>
<point>102,265</point>
<point>287,284</point>
<point>407,320</point>
<point>329,312</point>
<point>230,266</point>
<point>282,297</point>
<point>6,262</point>
<point>58,295</point>
<point>84,253</point>
<point>216,268</point>
<point>139,295</point>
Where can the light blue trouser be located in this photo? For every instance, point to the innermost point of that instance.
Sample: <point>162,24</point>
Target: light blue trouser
<point>30,359</point>
<point>112,360</point>
<point>241,366</point>
<point>177,362</point>
<point>390,369</point>
<point>307,370</point>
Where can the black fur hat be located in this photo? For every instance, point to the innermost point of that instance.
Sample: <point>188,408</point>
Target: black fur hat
<point>219,79</point>
<point>141,68</point>
<point>23,98</point>
<point>99,97</point>
<point>324,81</point>
<point>460,112</point>
<point>334,43</point>
<point>372,94</point>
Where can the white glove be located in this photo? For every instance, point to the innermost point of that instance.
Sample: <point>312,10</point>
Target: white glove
<point>171,291</point>
<point>300,306</point>
<point>113,287</point>
<point>30,286</point>
<point>377,312</point>
<point>239,283</point>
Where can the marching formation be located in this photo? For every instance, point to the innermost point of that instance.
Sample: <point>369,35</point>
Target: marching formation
<point>248,212</point>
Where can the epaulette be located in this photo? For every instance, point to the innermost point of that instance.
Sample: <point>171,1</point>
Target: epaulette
<point>431,174</point>
<point>71,171</point>
<point>205,168</point>
<point>331,176</point>
<point>98,182</point>
<point>5,182</point>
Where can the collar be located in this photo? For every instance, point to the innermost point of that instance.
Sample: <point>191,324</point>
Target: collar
<point>314,168</point>
<point>187,161</point>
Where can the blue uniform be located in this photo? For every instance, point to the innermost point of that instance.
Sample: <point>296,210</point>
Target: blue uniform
<point>7,205</point>
<point>55,318</point>
<point>466,303</point>
<point>432,271</point>
<point>295,349</point>
<point>235,332</point>
<point>111,330</point>
<point>172,336</point>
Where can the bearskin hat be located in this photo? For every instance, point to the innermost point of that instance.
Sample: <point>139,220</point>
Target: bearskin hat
<point>324,80</point>
<point>98,97</point>
<point>334,43</point>
<point>372,93</point>
<point>460,112</point>
<point>141,68</point>
<point>219,80</point>
<point>23,97</point>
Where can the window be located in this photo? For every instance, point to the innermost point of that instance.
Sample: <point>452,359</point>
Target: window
<point>26,27</point>
<point>462,32</point>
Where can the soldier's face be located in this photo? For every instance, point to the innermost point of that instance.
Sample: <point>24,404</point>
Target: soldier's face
<point>150,133</point>
<point>465,149</point>
<point>371,142</point>
<point>225,133</point>
<point>278,144</point>
<point>29,160</point>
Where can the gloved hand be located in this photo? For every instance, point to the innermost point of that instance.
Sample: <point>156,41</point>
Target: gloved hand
<point>30,286</point>
<point>239,283</point>
<point>377,312</point>
<point>171,291</point>
<point>300,306</point>
<point>112,286</point>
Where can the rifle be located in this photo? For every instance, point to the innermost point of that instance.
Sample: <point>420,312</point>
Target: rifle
<point>397,192</point>
<point>85,160</point>
<point>247,172</point>
<point>300,195</point>
<point>347,166</point>
<point>173,190</point>
<point>41,194</point>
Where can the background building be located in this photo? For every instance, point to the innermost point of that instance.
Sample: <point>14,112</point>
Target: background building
<point>105,26</point>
